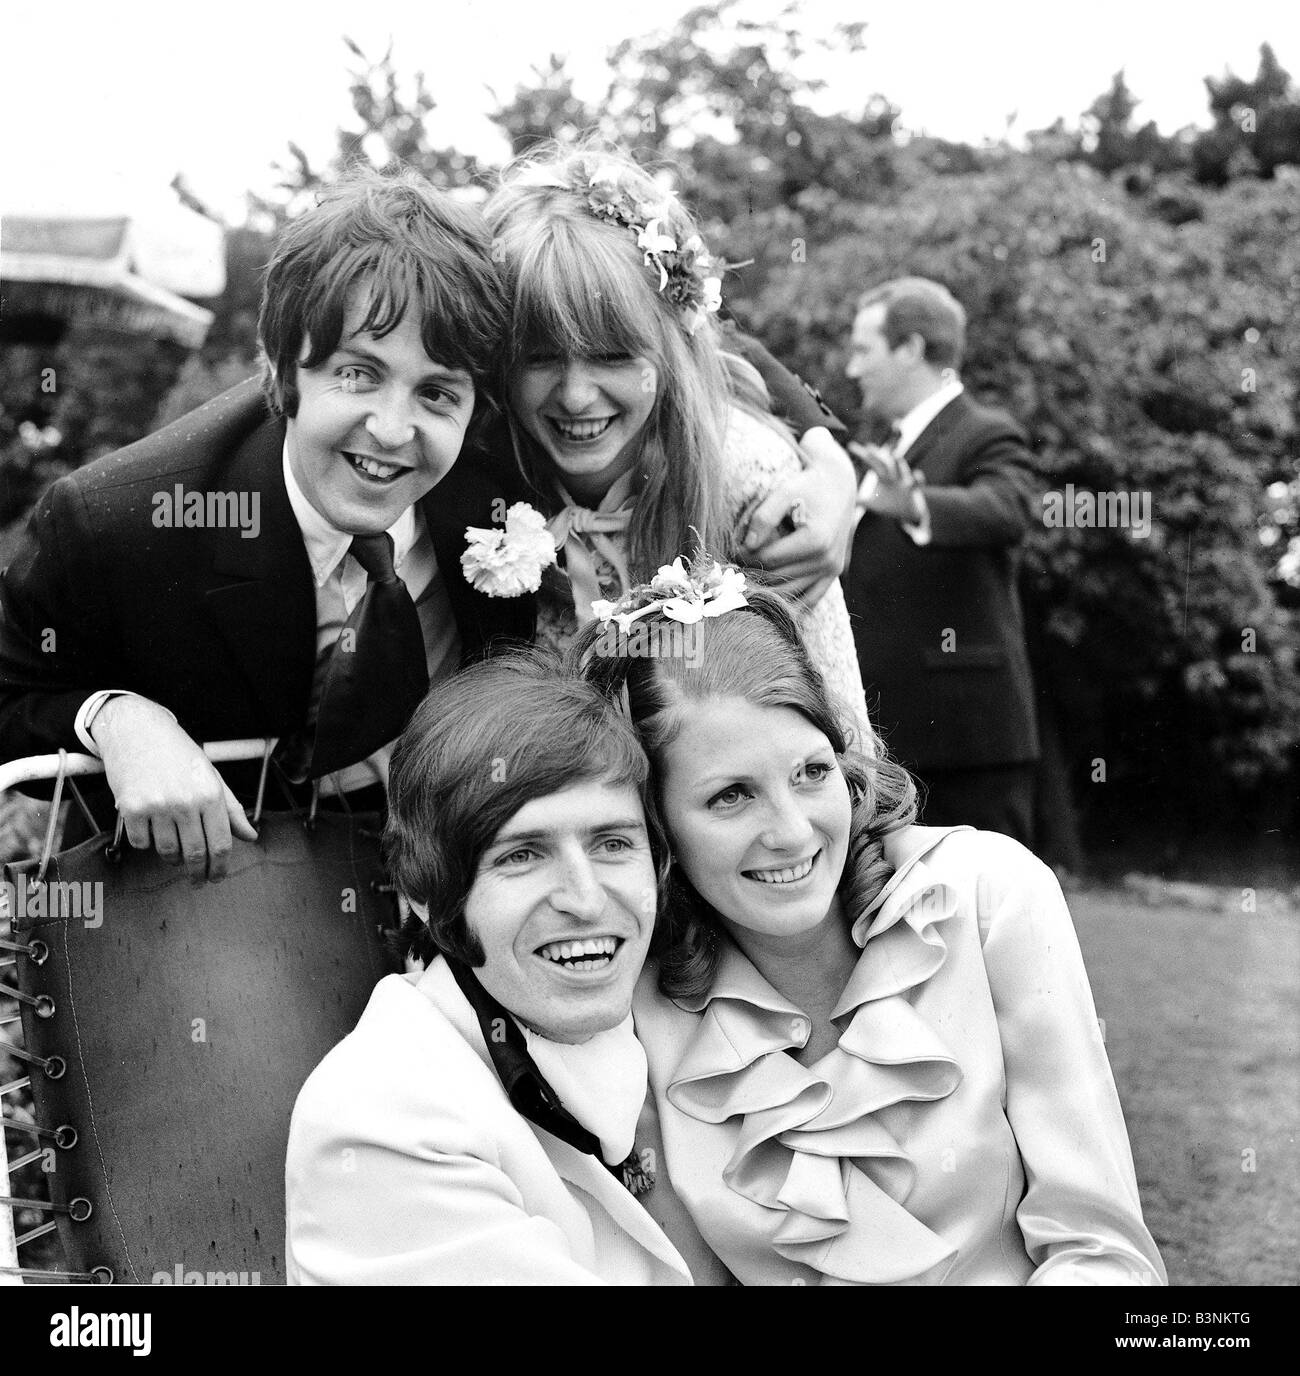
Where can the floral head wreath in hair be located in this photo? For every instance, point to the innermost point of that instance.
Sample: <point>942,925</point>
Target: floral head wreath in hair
<point>706,589</point>
<point>684,270</point>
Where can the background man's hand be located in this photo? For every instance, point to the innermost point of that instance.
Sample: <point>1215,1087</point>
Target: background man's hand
<point>168,792</point>
<point>810,558</point>
<point>896,491</point>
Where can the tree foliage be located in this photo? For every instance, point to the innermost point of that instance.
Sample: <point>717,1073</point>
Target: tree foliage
<point>546,108</point>
<point>1256,124</point>
<point>74,398</point>
<point>390,131</point>
<point>1255,131</point>
<point>1143,358</point>
<point>1109,141</point>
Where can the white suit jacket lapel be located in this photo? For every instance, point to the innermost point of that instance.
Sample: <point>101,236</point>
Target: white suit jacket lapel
<point>576,1167</point>
<point>587,1174</point>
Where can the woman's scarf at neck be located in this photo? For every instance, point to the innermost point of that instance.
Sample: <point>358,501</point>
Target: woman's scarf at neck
<point>589,1095</point>
<point>572,522</point>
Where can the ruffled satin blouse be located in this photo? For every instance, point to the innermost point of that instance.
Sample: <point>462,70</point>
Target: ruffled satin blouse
<point>964,1131</point>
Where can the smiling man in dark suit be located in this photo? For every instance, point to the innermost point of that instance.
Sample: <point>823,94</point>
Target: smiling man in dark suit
<point>196,585</point>
<point>931,585</point>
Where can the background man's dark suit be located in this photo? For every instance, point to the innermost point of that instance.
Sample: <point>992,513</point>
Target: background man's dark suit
<point>961,701</point>
<point>218,628</point>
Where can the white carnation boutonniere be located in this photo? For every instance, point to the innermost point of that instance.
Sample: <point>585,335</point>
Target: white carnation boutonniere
<point>506,562</point>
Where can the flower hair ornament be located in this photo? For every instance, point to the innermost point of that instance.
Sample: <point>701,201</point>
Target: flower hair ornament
<point>684,270</point>
<point>705,590</point>
<point>508,562</point>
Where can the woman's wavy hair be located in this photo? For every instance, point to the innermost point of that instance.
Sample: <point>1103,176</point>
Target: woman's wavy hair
<point>578,286</point>
<point>480,746</point>
<point>755,653</point>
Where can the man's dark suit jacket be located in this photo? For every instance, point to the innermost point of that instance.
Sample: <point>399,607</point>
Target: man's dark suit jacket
<point>218,628</point>
<point>939,628</point>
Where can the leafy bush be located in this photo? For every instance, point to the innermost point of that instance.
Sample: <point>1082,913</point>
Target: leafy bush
<point>1143,357</point>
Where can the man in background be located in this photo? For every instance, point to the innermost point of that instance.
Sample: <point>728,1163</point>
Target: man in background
<point>931,584</point>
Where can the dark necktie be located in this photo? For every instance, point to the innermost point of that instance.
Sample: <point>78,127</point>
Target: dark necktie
<point>377,673</point>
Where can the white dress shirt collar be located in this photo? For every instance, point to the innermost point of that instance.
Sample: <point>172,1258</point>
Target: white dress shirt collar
<point>911,425</point>
<point>327,546</point>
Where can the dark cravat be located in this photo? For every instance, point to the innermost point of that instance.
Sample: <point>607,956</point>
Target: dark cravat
<point>524,1084</point>
<point>377,672</point>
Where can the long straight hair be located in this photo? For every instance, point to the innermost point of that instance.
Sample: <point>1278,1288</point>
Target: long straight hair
<point>578,287</point>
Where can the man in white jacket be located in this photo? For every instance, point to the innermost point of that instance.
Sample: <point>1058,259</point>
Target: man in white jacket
<point>481,1124</point>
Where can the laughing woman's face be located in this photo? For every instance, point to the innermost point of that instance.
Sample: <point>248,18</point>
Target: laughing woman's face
<point>758,812</point>
<point>587,414</point>
<point>564,906</point>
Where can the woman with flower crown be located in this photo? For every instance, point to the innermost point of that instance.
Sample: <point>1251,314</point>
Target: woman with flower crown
<point>873,1050</point>
<point>640,437</point>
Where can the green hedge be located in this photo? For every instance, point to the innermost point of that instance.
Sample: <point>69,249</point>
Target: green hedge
<point>1143,357</point>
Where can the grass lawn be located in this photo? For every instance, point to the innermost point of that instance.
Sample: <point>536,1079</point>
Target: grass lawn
<point>1202,1018</point>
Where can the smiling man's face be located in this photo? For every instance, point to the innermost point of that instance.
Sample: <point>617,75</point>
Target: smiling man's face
<point>379,423</point>
<point>564,906</point>
<point>885,375</point>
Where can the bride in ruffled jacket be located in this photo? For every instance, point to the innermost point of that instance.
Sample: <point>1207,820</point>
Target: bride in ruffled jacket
<point>873,1049</point>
